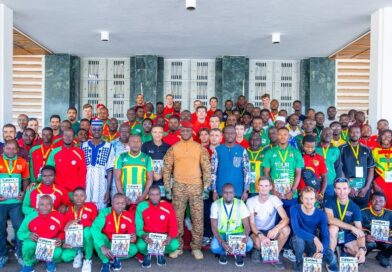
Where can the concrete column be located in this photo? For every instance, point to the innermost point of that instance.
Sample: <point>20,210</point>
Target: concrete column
<point>6,54</point>
<point>380,66</point>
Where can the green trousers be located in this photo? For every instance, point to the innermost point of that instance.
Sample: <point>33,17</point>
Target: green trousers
<point>131,252</point>
<point>142,246</point>
<point>88,247</point>
<point>28,253</point>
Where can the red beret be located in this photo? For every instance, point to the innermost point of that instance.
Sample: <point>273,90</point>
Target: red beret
<point>186,124</point>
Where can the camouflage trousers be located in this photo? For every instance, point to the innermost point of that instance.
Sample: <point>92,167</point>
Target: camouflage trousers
<point>192,194</point>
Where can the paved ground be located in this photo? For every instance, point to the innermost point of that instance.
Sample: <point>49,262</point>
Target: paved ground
<point>187,263</point>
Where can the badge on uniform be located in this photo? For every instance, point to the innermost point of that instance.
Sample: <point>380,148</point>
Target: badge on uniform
<point>388,176</point>
<point>341,237</point>
<point>358,171</point>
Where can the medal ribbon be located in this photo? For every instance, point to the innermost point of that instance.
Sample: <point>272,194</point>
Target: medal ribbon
<point>117,221</point>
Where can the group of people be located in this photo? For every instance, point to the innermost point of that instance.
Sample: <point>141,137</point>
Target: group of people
<point>301,185</point>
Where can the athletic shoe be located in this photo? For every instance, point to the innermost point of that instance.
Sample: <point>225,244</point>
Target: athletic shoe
<point>298,267</point>
<point>206,241</point>
<point>289,255</point>
<point>239,261</point>
<point>197,254</point>
<point>176,253</point>
<point>332,268</point>
<point>86,266</point>
<point>78,261</point>
<point>383,261</point>
<point>50,267</point>
<point>19,259</point>
<point>223,259</point>
<point>161,261</point>
<point>146,261</point>
<point>27,269</point>
<point>105,267</point>
<point>139,257</point>
<point>116,264</point>
<point>3,261</point>
<point>278,265</point>
<point>256,255</point>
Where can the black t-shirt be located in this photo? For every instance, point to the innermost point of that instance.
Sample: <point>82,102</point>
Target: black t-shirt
<point>349,162</point>
<point>156,153</point>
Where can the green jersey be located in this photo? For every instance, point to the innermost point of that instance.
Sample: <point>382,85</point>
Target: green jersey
<point>263,134</point>
<point>255,160</point>
<point>283,164</point>
<point>331,156</point>
<point>300,137</point>
<point>134,169</point>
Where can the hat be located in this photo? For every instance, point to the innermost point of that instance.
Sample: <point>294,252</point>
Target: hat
<point>100,106</point>
<point>97,123</point>
<point>310,178</point>
<point>186,124</point>
<point>280,118</point>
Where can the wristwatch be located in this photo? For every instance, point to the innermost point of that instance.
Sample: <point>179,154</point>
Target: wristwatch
<point>363,248</point>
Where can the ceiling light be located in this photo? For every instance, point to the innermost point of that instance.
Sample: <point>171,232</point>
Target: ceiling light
<point>275,38</point>
<point>104,36</point>
<point>190,5</point>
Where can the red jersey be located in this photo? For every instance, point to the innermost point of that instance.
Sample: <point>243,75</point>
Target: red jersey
<point>70,167</point>
<point>372,142</point>
<point>58,194</point>
<point>39,155</point>
<point>197,126</point>
<point>172,138</point>
<point>48,226</point>
<point>210,113</point>
<point>125,224</point>
<point>167,112</point>
<point>86,215</point>
<point>317,164</point>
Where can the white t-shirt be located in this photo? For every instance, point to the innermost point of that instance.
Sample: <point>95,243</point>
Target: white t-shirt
<point>214,209</point>
<point>264,213</point>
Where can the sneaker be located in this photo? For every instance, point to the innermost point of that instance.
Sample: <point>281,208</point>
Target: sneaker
<point>161,261</point>
<point>139,257</point>
<point>256,255</point>
<point>27,269</point>
<point>78,261</point>
<point>223,259</point>
<point>289,255</point>
<point>297,267</point>
<point>239,261</point>
<point>50,267</point>
<point>176,253</point>
<point>332,268</point>
<point>19,259</point>
<point>116,264</point>
<point>278,265</point>
<point>105,267</point>
<point>188,223</point>
<point>86,266</point>
<point>205,242</point>
<point>146,261</point>
<point>3,261</point>
<point>383,261</point>
<point>197,254</point>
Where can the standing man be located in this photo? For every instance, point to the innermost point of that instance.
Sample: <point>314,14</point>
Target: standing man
<point>331,116</point>
<point>55,121</point>
<point>200,122</point>
<point>230,164</point>
<point>337,139</point>
<point>39,154</point>
<point>87,112</point>
<point>146,132</point>
<point>344,120</point>
<point>15,170</point>
<point>297,106</point>
<point>319,117</point>
<point>22,124</point>
<point>72,115</point>
<point>168,109</point>
<point>213,107</point>
<point>308,129</point>
<point>358,167</point>
<point>228,109</point>
<point>331,155</point>
<point>229,216</point>
<point>189,163</point>
<point>157,149</point>
<point>136,127</point>
<point>133,168</point>
<point>256,155</point>
<point>99,160</point>
<point>69,163</point>
<point>173,135</point>
<point>113,131</point>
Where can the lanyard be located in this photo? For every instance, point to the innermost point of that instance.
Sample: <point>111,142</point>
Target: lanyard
<point>39,190</point>
<point>342,215</point>
<point>13,163</point>
<point>325,151</point>
<point>45,155</point>
<point>355,152</point>
<point>253,158</point>
<point>80,212</point>
<point>344,134</point>
<point>116,221</point>
<point>111,138</point>
<point>285,155</point>
<point>228,215</point>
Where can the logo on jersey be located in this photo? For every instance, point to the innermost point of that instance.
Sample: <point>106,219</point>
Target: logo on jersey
<point>84,216</point>
<point>162,217</point>
<point>73,162</point>
<point>51,227</point>
<point>123,226</point>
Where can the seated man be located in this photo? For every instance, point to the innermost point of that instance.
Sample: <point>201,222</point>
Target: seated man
<point>344,218</point>
<point>46,223</point>
<point>46,187</point>
<point>229,216</point>
<point>110,221</point>
<point>373,218</point>
<point>83,213</point>
<point>306,223</point>
<point>155,216</point>
<point>263,210</point>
